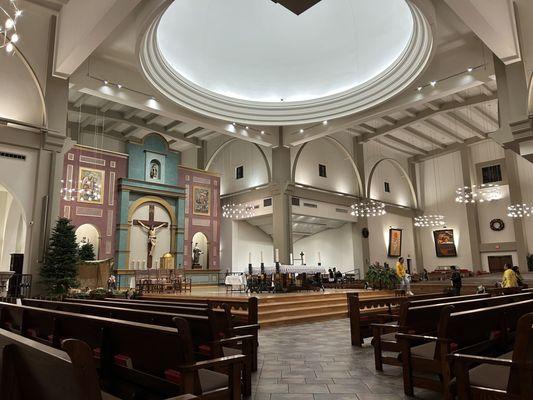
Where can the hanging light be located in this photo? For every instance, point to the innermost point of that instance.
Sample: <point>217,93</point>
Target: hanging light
<point>478,194</point>
<point>368,208</point>
<point>238,211</point>
<point>8,26</point>
<point>430,220</point>
<point>520,210</point>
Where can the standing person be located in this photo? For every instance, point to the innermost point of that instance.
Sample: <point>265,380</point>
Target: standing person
<point>509,277</point>
<point>457,282</point>
<point>401,273</point>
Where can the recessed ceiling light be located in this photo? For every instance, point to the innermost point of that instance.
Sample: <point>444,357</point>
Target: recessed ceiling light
<point>262,132</point>
<point>325,123</point>
<point>301,131</point>
<point>246,127</point>
<point>106,82</point>
<point>119,85</point>
<point>233,123</point>
<point>419,88</point>
<point>470,69</point>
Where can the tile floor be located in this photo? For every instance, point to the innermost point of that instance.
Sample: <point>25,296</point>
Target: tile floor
<point>316,361</point>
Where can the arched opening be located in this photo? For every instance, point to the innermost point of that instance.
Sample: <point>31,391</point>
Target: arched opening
<point>200,251</point>
<point>397,199</point>
<point>88,233</point>
<point>12,227</point>
<point>339,181</point>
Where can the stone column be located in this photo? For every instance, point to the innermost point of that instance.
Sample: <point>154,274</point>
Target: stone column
<point>281,199</point>
<point>362,222</point>
<point>515,196</point>
<point>471,210</point>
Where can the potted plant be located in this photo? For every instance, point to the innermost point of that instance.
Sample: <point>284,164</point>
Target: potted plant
<point>381,278</point>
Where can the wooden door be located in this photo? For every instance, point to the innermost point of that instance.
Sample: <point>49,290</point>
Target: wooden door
<point>496,263</point>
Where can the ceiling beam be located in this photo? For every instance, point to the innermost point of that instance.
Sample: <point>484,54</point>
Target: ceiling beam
<point>443,130</point>
<point>493,122</point>
<point>78,103</point>
<point>432,106</point>
<point>172,125</point>
<point>424,137</point>
<point>406,144</point>
<point>110,126</point>
<point>92,129</point>
<point>441,152</point>
<point>422,116</point>
<point>400,150</point>
<point>150,118</point>
<point>454,116</point>
<point>107,106</point>
<point>138,123</point>
<point>193,132</point>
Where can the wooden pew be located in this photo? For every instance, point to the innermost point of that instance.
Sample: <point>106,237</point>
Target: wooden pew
<point>240,327</point>
<point>31,370</point>
<point>422,317</point>
<point>205,329</point>
<point>475,331</point>
<point>508,376</point>
<point>135,360</point>
<point>363,312</point>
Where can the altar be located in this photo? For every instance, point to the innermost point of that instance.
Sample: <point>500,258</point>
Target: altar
<point>290,269</point>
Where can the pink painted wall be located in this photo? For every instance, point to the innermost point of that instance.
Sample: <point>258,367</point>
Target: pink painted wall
<point>208,225</point>
<point>102,216</point>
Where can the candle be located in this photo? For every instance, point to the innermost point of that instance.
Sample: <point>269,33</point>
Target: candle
<point>276,255</point>
<point>261,257</point>
<point>250,257</point>
<point>291,259</point>
<point>319,261</point>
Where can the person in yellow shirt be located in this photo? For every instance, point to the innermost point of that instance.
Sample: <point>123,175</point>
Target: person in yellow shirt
<point>509,277</point>
<point>401,273</point>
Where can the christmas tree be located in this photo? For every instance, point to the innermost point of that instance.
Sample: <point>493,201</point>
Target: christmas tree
<point>87,252</point>
<point>59,271</point>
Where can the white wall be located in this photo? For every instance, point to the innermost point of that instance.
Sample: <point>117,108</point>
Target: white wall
<point>341,176</point>
<point>438,179</point>
<point>236,154</point>
<point>379,238</point>
<point>336,247</point>
<point>525,173</point>
<point>245,239</point>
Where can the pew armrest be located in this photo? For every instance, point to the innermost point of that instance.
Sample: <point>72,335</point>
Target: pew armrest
<point>386,327</point>
<point>472,359</point>
<point>235,340</point>
<point>183,397</point>
<point>246,328</point>
<point>409,337</point>
<point>213,363</point>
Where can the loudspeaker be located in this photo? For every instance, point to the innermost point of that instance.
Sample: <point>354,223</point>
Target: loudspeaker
<point>17,260</point>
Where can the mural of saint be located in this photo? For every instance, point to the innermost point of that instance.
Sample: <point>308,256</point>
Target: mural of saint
<point>91,182</point>
<point>201,201</point>
<point>155,170</point>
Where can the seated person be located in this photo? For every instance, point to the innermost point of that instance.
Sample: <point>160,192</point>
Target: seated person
<point>510,279</point>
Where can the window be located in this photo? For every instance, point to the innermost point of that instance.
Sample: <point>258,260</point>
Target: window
<point>267,202</point>
<point>239,172</point>
<point>491,174</point>
<point>322,171</point>
<point>295,201</point>
<point>387,187</point>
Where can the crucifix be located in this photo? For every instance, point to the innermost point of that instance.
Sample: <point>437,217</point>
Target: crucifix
<point>151,226</point>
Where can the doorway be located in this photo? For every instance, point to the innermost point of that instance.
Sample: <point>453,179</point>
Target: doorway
<point>496,263</point>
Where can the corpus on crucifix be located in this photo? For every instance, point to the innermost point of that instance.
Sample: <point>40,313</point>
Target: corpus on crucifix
<point>151,226</point>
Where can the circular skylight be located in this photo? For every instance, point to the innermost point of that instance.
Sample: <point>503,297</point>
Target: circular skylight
<point>258,56</point>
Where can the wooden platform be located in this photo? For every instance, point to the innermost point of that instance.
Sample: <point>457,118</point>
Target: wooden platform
<point>285,309</point>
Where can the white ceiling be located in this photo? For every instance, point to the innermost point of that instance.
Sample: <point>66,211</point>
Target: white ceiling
<point>255,50</point>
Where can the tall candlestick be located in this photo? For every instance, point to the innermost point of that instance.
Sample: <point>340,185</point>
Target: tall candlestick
<point>291,259</point>
<point>262,257</point>
<point>250,257</point>
<point>276,255</point>
<point>319,260</point>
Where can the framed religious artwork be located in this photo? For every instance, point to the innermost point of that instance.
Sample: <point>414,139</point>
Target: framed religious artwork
<point>91,186</point>
<point>201,204</point>
<point>444,243</point>
<point>395,242</point>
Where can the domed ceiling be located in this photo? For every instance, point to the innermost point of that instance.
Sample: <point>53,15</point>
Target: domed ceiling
<point>256,62</point>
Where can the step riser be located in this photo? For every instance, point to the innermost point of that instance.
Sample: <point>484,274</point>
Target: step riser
<point>281,313</point>
<point>270,307</point>
<point>301,320</point>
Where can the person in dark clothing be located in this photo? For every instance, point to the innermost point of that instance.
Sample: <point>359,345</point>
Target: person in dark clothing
<point>457,282</point>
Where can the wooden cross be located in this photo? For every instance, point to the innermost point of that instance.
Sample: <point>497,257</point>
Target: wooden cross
<point>151,223</point>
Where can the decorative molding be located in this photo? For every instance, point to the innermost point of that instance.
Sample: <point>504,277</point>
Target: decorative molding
<point>381,88</point>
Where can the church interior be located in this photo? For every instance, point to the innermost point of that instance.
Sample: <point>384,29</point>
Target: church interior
<point>266,199</point>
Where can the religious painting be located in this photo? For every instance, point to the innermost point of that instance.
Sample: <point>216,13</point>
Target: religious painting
<point>395,242</point>
<point>91,186</point>
<point>444,243</point>
<point>201,201</point>
<point>155,170</point>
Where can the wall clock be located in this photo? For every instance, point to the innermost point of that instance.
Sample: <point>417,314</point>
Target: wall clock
<point>497,225</point>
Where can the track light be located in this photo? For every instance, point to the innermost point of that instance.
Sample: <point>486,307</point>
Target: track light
<point>470,69</point>
<point>419,88</point>
<point>325,123</point>
<point>301,131</point>
<point>106,82</point>
<point>119,85</point>
<point>433,83</point>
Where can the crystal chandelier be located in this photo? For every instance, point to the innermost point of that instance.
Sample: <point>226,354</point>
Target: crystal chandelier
<point>8,27</point>
<point>520,210</point>
<point>478,194</point>
<point>86,191</point>
<point>431,220</point>
<point>368,208</point>
<point>238,211</point>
